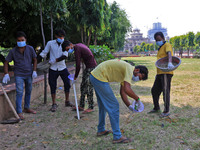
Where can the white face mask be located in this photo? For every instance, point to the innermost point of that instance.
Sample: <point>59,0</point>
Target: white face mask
<point>135,78</point>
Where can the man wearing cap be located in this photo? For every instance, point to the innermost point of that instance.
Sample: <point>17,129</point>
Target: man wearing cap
<point>115,71</point>
<point>165,50</point>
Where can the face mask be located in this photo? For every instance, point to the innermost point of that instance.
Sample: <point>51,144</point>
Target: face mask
<point>135,78</point>
<point>71,50</point>
<point>159,43</point>
<point>60,40</point>
<point>21,44</point>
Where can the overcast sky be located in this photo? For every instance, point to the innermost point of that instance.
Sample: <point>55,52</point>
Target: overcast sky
<point>178,16</point>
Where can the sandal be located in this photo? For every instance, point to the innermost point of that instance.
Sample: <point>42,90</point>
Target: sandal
<point>106,132</point>
<point>69,104</point>
<point>153,111</point>
<point>87,111</point>
<point>29,111</point>
<point>53,108</point>
<point>79,108</point>
<point>21,116</point>
<point>122,140</point>
<point>162,115</point>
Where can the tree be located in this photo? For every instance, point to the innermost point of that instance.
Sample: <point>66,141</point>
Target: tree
<point>176,42</point>
<point>183,43</point>
<point>136,49</point>
<point>197,38</point>
<point>151,47</point>
<point>190,43</point>
<point>142,46</point>
<point>119,26</point>
<point>147,46</point>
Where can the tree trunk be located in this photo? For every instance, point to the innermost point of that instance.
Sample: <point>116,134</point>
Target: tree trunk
<point>95,38</point>
<point>188,52</point>
<point>82,40</point>
<point>41,23</point>
<point>85,33</point>
<point>45,73</point>
<point>89,38</point>
<point>51,26</point>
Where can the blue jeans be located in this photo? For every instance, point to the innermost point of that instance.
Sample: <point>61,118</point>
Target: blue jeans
<point>107,102</point>
<point>20,81</point>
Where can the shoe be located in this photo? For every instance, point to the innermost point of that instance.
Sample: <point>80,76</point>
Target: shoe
<point>21,116</point>
<point>162,115</point>
<point>69,104</point>
<point>153,111</point>
<point>53,107</point>
<point>106,132</point>
<point>27,110</point>
<point>122,140</point>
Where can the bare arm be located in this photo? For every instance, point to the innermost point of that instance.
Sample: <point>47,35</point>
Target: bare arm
<point>126,90</point>
<point>34,64</point>
<point>5,67</point>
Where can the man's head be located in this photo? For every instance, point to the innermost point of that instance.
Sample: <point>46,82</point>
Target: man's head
<point>159,37</point>
<point>67,46</point>
<point>140,73</point>
<point>21,39</point>
<point>60,35</point>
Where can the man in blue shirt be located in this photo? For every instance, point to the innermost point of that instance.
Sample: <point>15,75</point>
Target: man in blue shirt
<point>25,64</point>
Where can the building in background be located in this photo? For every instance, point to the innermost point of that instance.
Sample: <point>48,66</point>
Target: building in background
<point>135,39</point>
<point>157,27</point>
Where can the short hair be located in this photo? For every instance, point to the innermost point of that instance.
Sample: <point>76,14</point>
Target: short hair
<point>143,70</point>
<point>65,44</point>
<point>20,34</point>
<point>159,34</point>
<point>60,33</point>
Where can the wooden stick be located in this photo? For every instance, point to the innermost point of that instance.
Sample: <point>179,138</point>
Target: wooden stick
<point>9,102</point>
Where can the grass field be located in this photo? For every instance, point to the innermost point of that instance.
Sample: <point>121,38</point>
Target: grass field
<point>60,130</point>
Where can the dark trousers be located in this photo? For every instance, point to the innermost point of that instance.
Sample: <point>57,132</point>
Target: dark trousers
<point>53,76</point>
<point>87,89</point>
<point>158,87</point>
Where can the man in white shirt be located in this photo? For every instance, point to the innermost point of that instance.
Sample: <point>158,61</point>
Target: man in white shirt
<point>57,68</point>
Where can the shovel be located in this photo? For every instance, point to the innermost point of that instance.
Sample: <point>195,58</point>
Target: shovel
<point>11,106</point>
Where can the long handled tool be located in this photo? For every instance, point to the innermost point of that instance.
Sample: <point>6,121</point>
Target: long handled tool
<point>77,111</point>
<point>165,88</point>
<point>71,77</point>
<point>13,109</point>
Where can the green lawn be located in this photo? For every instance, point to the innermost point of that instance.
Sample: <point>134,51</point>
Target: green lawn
<point>60,130</point>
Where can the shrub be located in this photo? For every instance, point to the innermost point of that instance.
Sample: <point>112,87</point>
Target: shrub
<point>101,53</point>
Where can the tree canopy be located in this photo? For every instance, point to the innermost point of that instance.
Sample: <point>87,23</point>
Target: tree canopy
<point>86,21</point>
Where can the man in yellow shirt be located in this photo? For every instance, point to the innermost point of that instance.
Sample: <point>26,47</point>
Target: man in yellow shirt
<point>165,50</point>
<point>115,71</point>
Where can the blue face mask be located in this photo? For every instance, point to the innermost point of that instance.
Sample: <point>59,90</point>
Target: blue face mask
<point>21,44</point>
<point>71,50</point>
<point>159,43</point>
<point>60,40</point>
<point>135,78</point>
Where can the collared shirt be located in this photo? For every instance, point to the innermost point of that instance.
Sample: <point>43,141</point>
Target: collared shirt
<point>114,71</point>
<point>22,61</point>
<point>55,52</point>
<point>162,52</point>
<point>81,51</point>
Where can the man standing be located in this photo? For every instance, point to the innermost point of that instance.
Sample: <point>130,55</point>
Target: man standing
<point>57,68</point>
<point>23,56</point>
<point>165,50</point>
<point>82,52</point>
<point>115,71</point>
